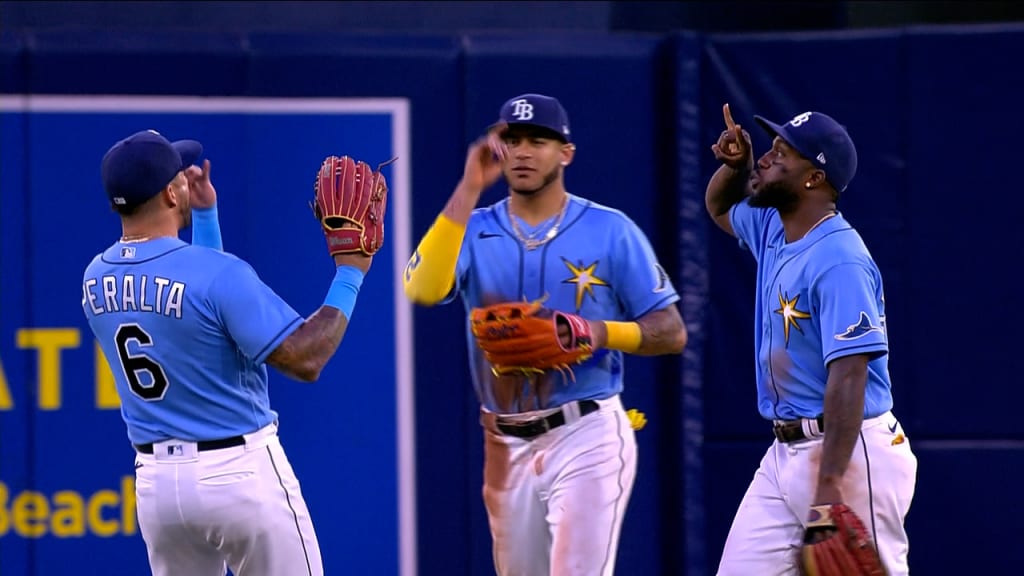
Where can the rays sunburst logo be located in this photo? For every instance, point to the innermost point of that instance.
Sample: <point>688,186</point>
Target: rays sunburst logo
<point>585,278</point>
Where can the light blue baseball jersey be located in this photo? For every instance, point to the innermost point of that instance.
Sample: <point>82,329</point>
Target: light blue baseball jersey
<point>600,266</point>
<point>186,330</point>
<point>818,299</point>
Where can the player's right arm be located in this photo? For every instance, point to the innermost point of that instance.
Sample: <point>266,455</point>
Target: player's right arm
<point>266,329</point>
<point>430,274</point>
<point>303,354</point>
<point>203,199</point>
<point>730,183</point>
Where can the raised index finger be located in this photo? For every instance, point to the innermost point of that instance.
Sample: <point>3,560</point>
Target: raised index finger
<point>728,117</point>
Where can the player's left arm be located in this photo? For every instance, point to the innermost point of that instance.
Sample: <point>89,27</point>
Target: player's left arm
<point>844,414</point>
<point>653,334</point>
<point>848,298</point>
<point>646,296</point>
<point>203,200</point>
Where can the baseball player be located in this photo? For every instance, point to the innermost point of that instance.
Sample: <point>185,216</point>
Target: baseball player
<point>560,452</point>
<point>189,331</point>
<point>821,351</point>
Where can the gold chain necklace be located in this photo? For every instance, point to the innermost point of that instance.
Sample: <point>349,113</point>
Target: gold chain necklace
<point>530,240</point>
<point>815,225</point>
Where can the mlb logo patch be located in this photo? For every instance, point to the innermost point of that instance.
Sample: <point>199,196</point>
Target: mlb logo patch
<point>128,252</point>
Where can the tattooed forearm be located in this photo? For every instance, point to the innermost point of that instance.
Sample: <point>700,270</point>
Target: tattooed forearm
<point>844,414</point>
<point>305,352</point>
<point>663,332</point>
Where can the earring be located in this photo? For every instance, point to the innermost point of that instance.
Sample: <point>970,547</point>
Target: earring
<point>565,163</point>
<point>807,184</point>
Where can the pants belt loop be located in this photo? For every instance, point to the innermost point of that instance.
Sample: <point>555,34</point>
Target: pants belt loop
<point>571,411</point>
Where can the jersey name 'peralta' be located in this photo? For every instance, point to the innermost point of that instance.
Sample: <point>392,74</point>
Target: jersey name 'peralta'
<point>186,330</point>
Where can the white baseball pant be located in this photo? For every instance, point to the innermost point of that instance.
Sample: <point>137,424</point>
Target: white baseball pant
<point>767,530</point>
<point>201,512</point>
<point>556,502</point>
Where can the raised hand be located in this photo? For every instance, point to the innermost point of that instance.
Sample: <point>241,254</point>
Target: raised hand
<point>201,192</point>
<point>484,159</point>
<point>733,147</point>
<point>350,201</point>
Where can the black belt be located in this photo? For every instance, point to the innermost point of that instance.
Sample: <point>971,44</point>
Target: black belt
<point>793,430</point>
<point>533,428</point>
<point>203,445</point>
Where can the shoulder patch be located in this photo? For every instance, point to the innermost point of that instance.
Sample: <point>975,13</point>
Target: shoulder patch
<point>661,279</point>
<point>862,328</point>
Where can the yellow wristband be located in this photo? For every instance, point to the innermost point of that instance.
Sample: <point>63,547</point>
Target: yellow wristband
<point>625,336</point>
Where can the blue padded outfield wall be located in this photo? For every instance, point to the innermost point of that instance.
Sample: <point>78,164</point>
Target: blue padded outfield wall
<point>387,445</point>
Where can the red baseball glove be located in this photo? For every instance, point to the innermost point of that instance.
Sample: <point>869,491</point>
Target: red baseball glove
<point>526,337</point>
<point>350,203</point>
<point>836,543</point>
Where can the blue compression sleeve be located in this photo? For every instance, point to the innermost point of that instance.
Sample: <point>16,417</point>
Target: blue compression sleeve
<point>206,228</point>
<point>344,289</point>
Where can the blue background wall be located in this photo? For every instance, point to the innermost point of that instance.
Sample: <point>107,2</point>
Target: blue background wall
<point>930,108</point>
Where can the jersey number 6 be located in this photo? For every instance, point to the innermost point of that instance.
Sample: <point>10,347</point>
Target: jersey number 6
<point>135,364</point>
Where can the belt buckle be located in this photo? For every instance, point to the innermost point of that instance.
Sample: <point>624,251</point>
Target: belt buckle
<point>528,429</point>
<point>545,425</point>
<point>783,430</point>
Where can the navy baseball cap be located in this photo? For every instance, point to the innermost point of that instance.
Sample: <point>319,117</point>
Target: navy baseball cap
<point>537,110</point>
<point>140,166</point>
<point>823,141</point>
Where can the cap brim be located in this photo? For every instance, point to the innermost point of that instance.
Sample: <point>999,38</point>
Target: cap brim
<point>774,130</point>
<point>770,127</point>
<point>189,150</point>
<point>555,134</point>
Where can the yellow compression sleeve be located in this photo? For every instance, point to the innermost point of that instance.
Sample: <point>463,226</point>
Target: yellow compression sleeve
<point>624,336</point>
<point>430,274</point>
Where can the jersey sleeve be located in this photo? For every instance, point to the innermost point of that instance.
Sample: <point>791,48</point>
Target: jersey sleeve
<point>640,281</point>
<point>255,317</point>
<point>749,223</point>
<point>849,302</point>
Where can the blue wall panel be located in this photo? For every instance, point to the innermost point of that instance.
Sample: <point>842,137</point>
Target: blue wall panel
<point>963,215</point>
<point>13,73</point>
<point>962,483</point>
<point>18,454</point>
<point>126,62</point>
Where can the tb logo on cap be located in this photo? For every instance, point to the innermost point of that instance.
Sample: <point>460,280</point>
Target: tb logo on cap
<point>522,110</point>
<point>800,119</point>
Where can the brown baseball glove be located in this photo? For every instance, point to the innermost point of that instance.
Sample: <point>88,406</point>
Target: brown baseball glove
<point>526,337</point>
<point>350,202</point>
<point>836,543</point>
